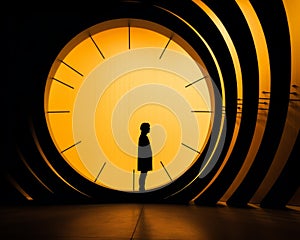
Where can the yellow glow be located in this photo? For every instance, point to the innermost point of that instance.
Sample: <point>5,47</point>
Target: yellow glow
<point>18,187</point>
<point>264,85</point>
<point>121,92</point>
<point>152,113</point>
<point>49,164</point>
<point>209,49</point>
<point>166,128</point>
<point>155,114</point>
<point>32,172</point>
<point>235,59</point>
<point>292,124</point>
<point>238,73</point>
<point>221,81</point>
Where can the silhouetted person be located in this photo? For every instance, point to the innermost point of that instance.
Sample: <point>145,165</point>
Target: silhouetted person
<point>144,155</point>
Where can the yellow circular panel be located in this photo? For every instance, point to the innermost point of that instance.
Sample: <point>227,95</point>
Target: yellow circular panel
<point>105,84</point>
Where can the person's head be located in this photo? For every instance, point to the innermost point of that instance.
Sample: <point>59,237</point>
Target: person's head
<point>145,127</point>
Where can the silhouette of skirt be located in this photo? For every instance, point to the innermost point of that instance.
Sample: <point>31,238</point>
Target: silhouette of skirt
<point>145,164</point>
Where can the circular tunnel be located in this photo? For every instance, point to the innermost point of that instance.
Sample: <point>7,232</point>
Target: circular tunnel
<point>249,51</point>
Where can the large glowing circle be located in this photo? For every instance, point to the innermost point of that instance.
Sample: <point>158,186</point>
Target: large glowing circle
<point>130,88</point>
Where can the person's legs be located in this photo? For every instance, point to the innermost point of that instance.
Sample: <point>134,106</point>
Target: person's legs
<point>142,181</point>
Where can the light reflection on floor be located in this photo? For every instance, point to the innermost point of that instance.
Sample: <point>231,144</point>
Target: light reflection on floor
<point>148,221</point>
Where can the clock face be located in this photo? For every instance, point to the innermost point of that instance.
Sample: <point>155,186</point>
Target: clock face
<point>111,78</point>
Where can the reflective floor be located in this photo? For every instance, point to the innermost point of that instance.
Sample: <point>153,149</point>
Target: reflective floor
<point>146,221</point>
